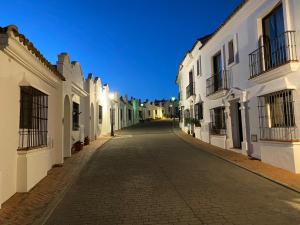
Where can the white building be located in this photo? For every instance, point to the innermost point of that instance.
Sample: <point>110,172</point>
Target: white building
<point>248,109</point>
<point>31,116</point>
<point>73,102</point>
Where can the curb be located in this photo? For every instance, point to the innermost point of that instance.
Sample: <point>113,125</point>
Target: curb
<point>55,202</point>
<point>240,166</point>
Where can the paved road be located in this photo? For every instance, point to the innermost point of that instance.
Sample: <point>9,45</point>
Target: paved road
<point>150,176</point>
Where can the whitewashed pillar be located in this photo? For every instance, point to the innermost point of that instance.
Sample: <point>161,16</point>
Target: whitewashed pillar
<point>244,126</point>
<point>229,143</point>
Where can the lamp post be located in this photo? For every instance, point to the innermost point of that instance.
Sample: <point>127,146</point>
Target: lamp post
<point>173,109</point>
<point>142,105</point>
<point>111,97</point>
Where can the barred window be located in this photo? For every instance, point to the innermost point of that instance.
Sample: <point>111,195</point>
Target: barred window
<point>199,111</point>
<point>75,116</point>
<point>187,116</point>
<point>276,116</point>
<point>33,118</point>
<point>218,121</point>
<point>100,114</point>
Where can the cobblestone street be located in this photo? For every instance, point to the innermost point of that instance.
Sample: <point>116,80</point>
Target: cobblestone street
<point>148,175</point>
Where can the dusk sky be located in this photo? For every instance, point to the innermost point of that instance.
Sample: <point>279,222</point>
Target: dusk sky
<point>133,45</point>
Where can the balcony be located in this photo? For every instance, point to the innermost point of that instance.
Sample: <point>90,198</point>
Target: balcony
<point>218,83</point>
<point>274,54</point>
<point>190,90</point>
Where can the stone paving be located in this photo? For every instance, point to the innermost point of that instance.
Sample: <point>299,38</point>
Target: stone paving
<point>148,175</point>
<point>32,207</point>
<point>284,177</point>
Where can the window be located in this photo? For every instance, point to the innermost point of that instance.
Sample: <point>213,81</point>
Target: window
<point>33,118</point>
<point>121,114</point>
<point>100,114</point>
<point>230,52</point>
<point>129,114</point>
<point>273,38</point>
<point>75,116</point>
<point>199,69</point>
<point>276,116</point>
<point>187,116</point>
<point>149,113</point>
<point>199,111</point>
<point>218,121</point>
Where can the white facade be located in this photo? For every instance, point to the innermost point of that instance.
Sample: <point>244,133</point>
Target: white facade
<point>73,94</point>
<point>47,109</point>
<point>27,79</point>
<point>235,96</point>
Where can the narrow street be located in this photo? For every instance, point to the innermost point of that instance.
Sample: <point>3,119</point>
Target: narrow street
<point>148,175</point>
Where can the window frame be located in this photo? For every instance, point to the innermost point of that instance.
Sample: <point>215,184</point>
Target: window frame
<point>75,116</point>
<point>231,52</point>
<point>33,121</point>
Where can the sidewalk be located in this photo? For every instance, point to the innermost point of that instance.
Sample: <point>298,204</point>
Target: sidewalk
<point>280,176</point>
<point>33,207</point>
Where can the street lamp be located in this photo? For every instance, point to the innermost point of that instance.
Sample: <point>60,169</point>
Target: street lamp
<point>111,97</point>
<point>173,110</point>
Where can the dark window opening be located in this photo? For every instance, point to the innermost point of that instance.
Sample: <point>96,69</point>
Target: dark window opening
<point>230,52</point>
<point>100,114</point>
<point>199,111</point>
<point>129,114</point>
<point>75,116</point>
<point>33,118</point>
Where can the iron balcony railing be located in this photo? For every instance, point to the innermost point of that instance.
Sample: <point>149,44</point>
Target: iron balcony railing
<point>190,90</point>
<point>218,82</point>
<point>273,53</point>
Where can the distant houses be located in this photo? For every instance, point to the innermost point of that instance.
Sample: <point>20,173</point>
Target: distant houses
<point>48,112</point>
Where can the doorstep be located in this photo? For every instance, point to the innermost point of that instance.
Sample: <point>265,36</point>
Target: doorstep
<point>280,176</point>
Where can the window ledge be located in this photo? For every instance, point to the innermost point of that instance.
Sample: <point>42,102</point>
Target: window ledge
<point>218,94</point>
<point>275,73</point>
<point>32,150</point>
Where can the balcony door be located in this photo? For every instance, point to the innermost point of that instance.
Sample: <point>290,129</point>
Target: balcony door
<point>217,71</point>
<point>274,38</point>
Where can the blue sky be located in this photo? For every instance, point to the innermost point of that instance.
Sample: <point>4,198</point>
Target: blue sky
<point>133,45</point>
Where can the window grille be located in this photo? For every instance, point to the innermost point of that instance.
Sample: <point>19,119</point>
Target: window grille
<point>33,118</point>
<point>199,111</point>
<point>218,121</point>
<point>276,116</point>
<point>187,116</point>
<point>100,114</point>
<point>75,118</point>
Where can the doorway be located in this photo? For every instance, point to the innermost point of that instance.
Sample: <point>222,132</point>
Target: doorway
<point>236,123</point>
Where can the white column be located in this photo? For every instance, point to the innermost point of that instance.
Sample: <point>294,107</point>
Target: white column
<point>229,143</point>
<point>244,126</point>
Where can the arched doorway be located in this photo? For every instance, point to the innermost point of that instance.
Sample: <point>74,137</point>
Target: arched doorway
<point>67,127</point>
<point>92,122</point>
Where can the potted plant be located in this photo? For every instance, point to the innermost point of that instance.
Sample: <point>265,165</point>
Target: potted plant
<point>78,146</point>
<point>86,140</point>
